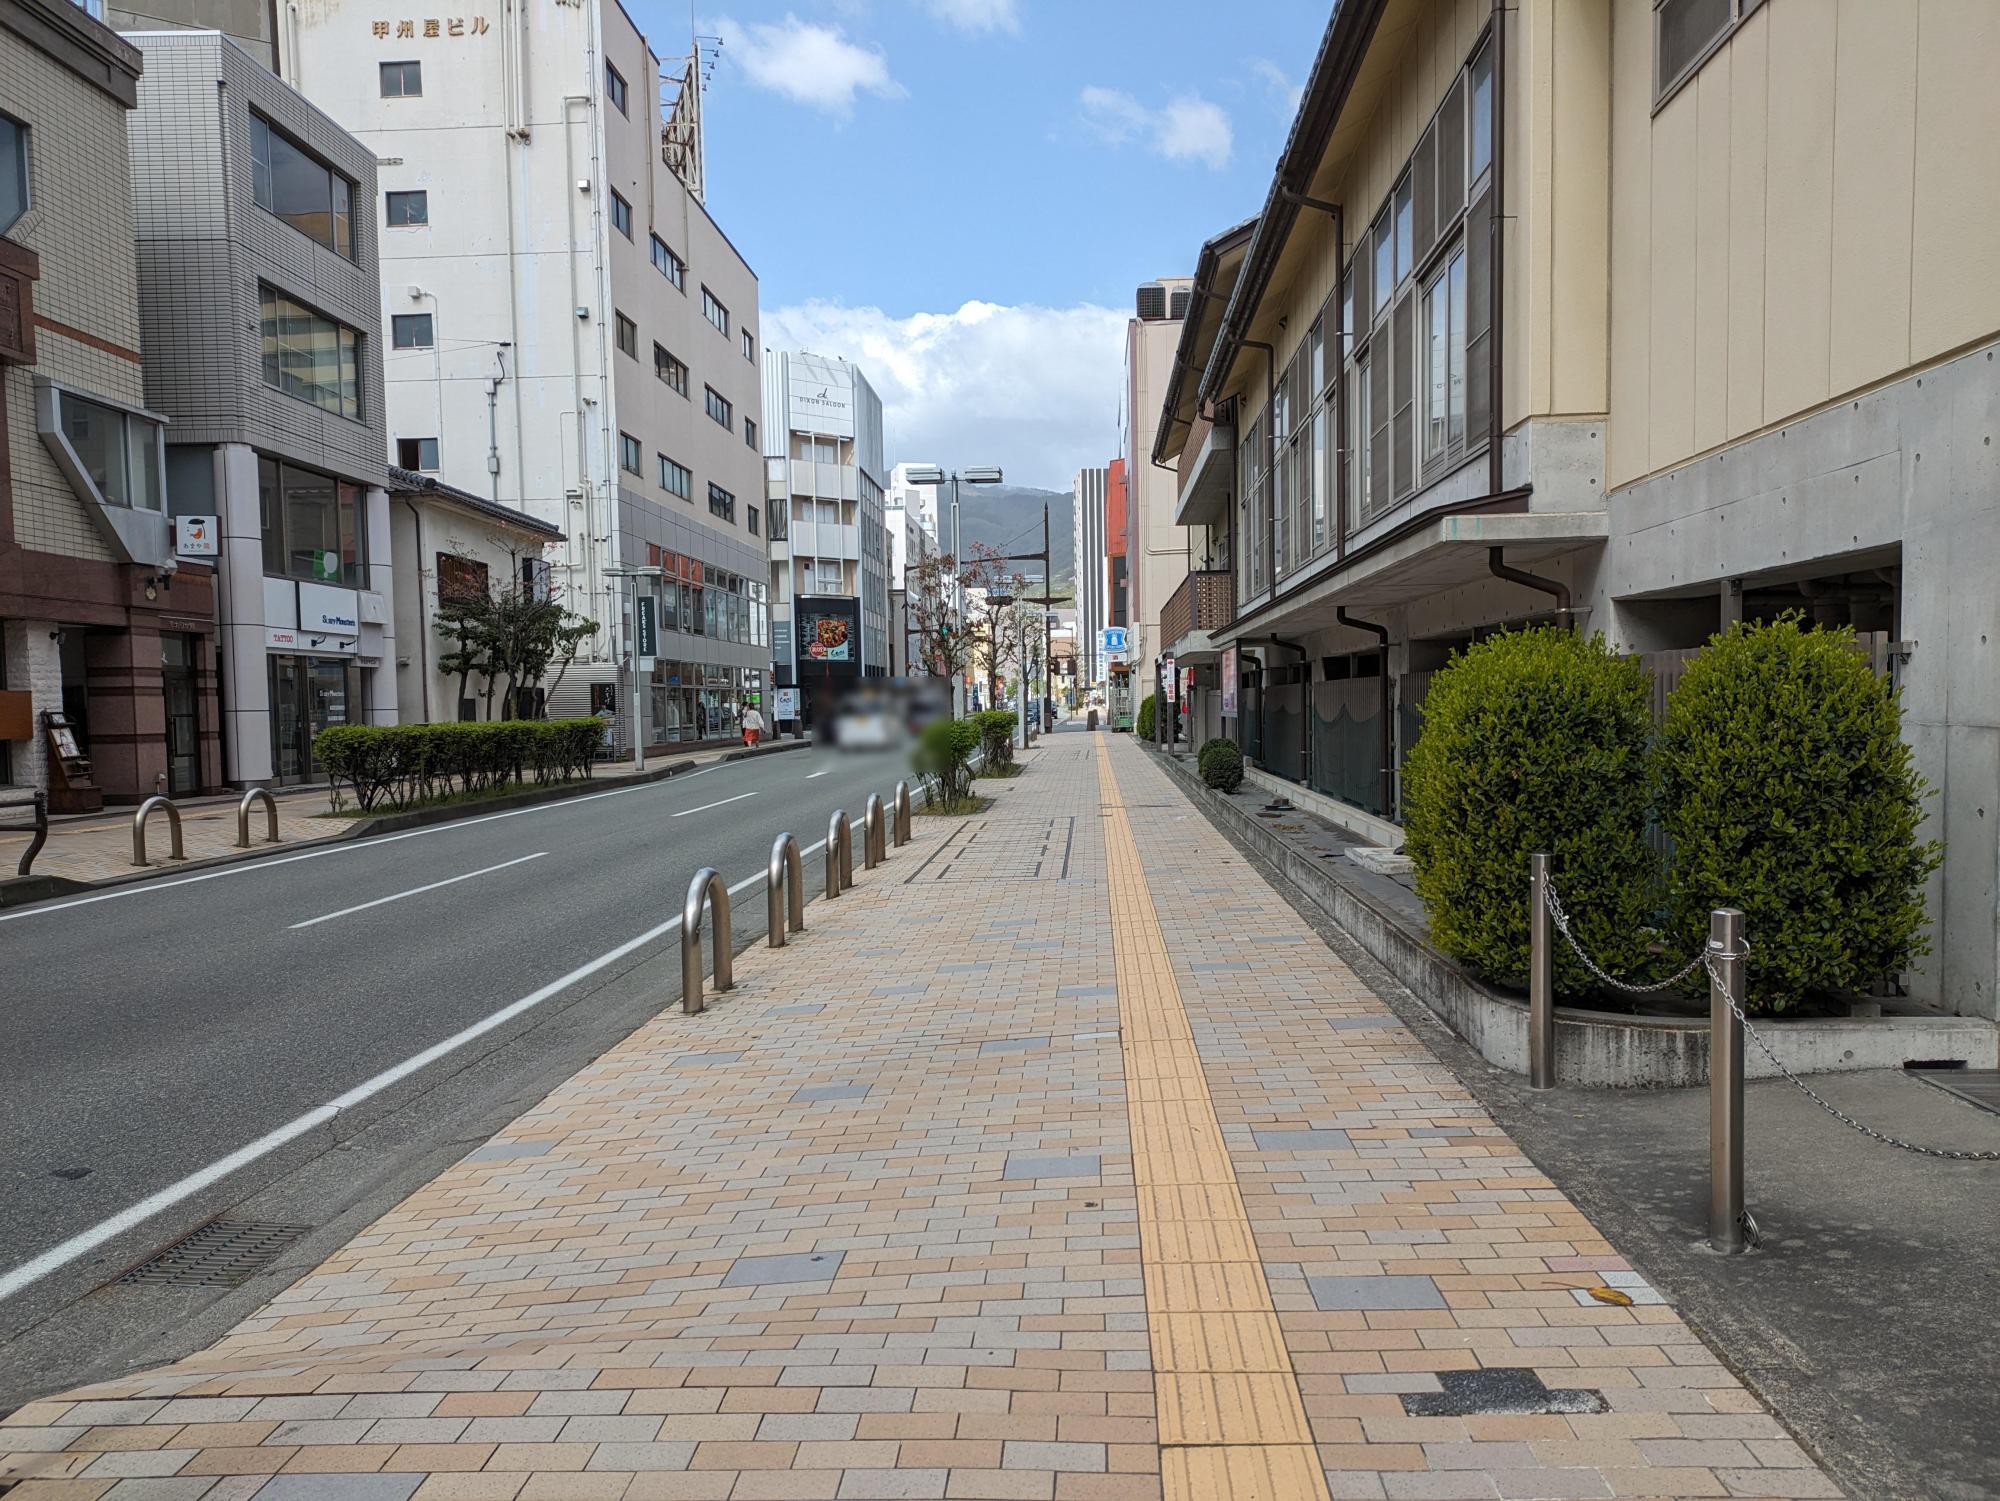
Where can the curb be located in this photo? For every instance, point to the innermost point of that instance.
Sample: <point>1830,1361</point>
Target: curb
<point>21,891</point>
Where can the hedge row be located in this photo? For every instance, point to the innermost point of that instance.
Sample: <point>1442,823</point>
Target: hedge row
<point>404,765</point>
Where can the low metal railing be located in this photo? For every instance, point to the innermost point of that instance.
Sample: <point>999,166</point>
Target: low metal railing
<point>146,810</point>
<point>706,888</point>
<point>839,854</point>
<point>784,891</point>
<point>256,794</point>
<point>39,826</point>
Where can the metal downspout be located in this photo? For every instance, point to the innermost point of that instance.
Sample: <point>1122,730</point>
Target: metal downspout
<point>1497,565</point>
<point>1380,633</point>
<point>1496,472</point>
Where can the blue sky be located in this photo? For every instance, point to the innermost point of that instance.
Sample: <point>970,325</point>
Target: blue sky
<point>961,195</point>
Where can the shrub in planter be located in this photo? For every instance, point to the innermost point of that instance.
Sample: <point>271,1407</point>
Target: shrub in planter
<point>996,736</point>
<point>1149,710</point>
<point>1221,764</point>
<point>1788,791</point>
<point>1534,741</point>
<point>943,758</point>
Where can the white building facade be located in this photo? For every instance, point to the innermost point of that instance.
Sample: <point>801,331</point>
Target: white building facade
<point>565,329</point>
<point>1087,512</point>
<point>830,553</point>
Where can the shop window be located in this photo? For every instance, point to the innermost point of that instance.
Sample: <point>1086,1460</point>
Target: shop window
<point>313,525</point>
<point>292,183</point>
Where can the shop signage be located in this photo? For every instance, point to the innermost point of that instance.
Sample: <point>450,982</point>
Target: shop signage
<point>408,30</point>
<point>281,640</point>
<point>1170,680</point>
<point>787,704</point>
<point>1229,672</point>
<point>647,627</point>
<point>1114,639</point>
<point>197,537</point>
<point>335,611</point>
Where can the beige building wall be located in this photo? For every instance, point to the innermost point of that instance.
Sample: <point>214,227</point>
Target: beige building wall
<point>1156,549</point>
<point>1814,212</point>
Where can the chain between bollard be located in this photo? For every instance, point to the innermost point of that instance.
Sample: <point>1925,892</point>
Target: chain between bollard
<point>1705,960</point>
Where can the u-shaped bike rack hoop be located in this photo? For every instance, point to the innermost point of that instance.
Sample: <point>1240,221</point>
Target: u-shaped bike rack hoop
<point>839,853</point>
<point>707,886</point>
<point>256,794</point>
<point>146,810</point>
<point>784,891</point>
<point>874,843</point>
<point>901,817</point>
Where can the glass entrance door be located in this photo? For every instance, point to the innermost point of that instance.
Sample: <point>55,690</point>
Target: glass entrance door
<point>288,738</point>
<point>178,655</point>
<point>308,694</point>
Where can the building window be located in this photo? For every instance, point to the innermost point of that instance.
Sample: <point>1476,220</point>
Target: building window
<point>410,330</point>
<point>628,454</point>
<point>628,336</point>
<point>1444,359</point>
<point>418,453</point>
<point>749,433</point>
<point>299,188</point>
<point>718,408</point>
<point>714,311</point>
<point>669,265</point>
<point>402,80</point>
<point>1480,127</point>
<point>1686,33</point>
<point>749,346</point>
<point>669,369</point>
<point>310,357</point>
<point>13,172</point>
<point>104,449</point>
<point>313,527</point>
<point>721,503</point>
<point>752,520</point>
<point>406,210</point>
<point>676,480</point>
<point>615,90</point>
<point>621,214</point>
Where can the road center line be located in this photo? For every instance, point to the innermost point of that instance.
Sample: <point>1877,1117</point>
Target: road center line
<point>86,1241</point>
<point>811,774</point>
<point>383,901</point>
<point>685,812</point>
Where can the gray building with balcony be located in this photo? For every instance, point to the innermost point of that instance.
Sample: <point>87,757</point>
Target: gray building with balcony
<point>260,304</point>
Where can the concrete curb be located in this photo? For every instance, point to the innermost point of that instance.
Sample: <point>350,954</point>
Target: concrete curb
<point>1594,1049</point>
<point>20,891</point>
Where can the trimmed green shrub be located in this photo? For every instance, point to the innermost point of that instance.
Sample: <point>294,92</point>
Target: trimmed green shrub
<point>1534,741</point>
<point>1149,711</point>
<point>996,736</point>
<point>1221,764</point>
<point>943,758</point>
<point>405,765</point>
<point>1788,791</point>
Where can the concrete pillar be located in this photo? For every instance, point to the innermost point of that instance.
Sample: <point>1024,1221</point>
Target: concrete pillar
<point>246,681</point>
<point>379,682</point>
<point>1732,603</point>
<point>34,663</point>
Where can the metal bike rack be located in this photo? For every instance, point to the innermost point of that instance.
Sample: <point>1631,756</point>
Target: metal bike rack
<point>243,816</point>
<point>707,885</point>
<point>874,843</point>
<point>39,827</point>
<point>139,829</point>
<point>1725,1082</point>
<point>784,887</point>
<point>1541,978</point>
<point>839,854</point>
<point>902,814</point>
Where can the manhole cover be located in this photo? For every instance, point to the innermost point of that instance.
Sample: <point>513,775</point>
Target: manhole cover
<point>221,1253</point>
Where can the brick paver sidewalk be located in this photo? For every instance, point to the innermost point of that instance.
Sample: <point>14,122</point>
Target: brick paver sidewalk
<point>1058,1160</point>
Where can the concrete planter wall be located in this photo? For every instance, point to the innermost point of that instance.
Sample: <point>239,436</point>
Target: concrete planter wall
<point>1593,1048</point>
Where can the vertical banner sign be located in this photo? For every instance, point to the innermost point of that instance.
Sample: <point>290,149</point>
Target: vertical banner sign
<point>1229,672</point>
<point>647,628</point>
<point>1170,680</point>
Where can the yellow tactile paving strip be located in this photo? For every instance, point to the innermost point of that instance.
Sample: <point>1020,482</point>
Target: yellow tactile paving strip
<point>1231,1420</point>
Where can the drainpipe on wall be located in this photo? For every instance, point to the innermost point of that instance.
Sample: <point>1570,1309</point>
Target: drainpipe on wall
<point>1496,471</point>
<point>423,624</point>
<point>1381,634</point>
<point>1497,565</point>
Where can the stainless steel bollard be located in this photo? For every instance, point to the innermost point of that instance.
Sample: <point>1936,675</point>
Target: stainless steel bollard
<point>1725,1083</point>
<point>873,841</point>
<point>256,794</point>
<point>708,886</point>
<point>784,887</point>
<point>902,814</point>
<point>1541,978</point>
<point>839,854</point>
<point>145,812</point>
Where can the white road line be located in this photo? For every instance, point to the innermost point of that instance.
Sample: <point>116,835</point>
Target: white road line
<point>811,774</point>
<point>686,812</point>
<point>83,1243</point>
<point>382,901</point>
<point>250,866</point>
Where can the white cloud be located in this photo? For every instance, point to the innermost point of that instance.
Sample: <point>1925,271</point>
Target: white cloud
<point>1187,129</point>
<point>1284,92</point>
<point>808,63</point>
<point>1033,389</point>
<point>977,16</point>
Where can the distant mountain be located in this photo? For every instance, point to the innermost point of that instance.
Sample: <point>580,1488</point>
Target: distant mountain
<point>1009,518</point>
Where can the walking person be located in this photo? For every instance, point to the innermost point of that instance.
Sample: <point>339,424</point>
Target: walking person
<point>753,726</point>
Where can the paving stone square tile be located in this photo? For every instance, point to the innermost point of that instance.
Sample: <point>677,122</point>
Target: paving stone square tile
<point>1064,1165</point>
<point>1378,1291</point>
<point>1310,1139</point>
<point>825,1093</point>
<point>799,1266</point>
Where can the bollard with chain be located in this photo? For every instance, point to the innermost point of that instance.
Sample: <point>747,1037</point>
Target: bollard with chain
<point>1725,1081</point>
<point>1541,978</point>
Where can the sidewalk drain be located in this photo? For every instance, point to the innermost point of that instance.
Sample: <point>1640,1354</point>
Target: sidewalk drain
<point>222,1253</point>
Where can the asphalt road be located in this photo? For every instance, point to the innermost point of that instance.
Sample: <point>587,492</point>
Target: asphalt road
<point>154,1031</point>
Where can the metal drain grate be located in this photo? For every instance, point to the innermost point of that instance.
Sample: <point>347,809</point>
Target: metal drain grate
<point>221,1253</point>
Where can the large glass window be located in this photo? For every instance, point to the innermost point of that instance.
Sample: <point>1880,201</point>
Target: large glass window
<point>301,189</point>
<point>1480,127</point>
<point>1444,358</point>
<point>13,171</point>
<point>311,357</point>
<point>312,525</point>
<point>119,451</point>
